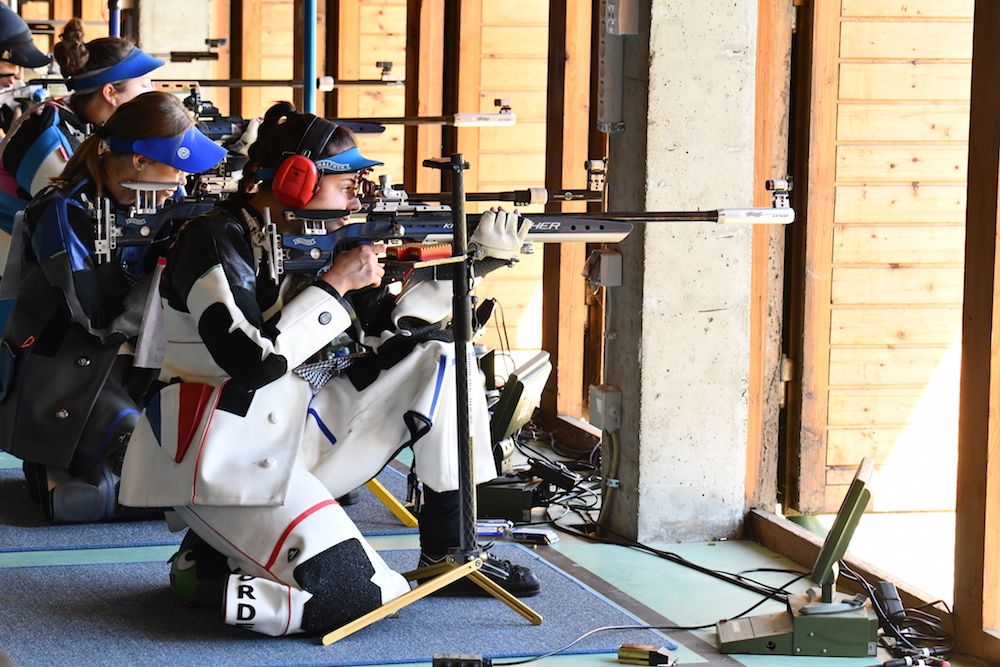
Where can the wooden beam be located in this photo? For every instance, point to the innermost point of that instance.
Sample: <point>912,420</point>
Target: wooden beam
<point>565,310</point>
<point>236,46</point>
<point>774,45</point>
<point>470,63</point>
<point>221,17</point>
<point>805,459</point>
<point>424,91</point>
<point>977,559</point>
<point>332,55</point>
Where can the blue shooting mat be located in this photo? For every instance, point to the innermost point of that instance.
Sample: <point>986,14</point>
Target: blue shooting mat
<point>23,528</point>
<point>124,614</point>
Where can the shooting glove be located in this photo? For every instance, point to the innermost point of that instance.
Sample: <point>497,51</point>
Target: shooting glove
<point>498,235</point>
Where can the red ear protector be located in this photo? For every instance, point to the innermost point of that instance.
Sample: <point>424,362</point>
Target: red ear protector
<point>296,179</point>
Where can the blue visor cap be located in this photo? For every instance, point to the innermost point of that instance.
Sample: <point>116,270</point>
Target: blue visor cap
<point>345,163</point>
<point>192,151</point>
<point>137,63</point>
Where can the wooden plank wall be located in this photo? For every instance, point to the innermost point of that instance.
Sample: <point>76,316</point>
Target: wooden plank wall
<point>373,31</point>
<point>885,257</point>
<point>268,52</point>
<point>504,55</point>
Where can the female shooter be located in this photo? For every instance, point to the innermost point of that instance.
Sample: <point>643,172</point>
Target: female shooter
<point>103,74</point>
<point>251,454</point>
<point>72,392</point>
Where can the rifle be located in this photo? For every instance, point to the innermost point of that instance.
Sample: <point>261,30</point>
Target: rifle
<point>144,223</point>
<point>20,98</point>
<point>396,222</point>
<point>403,223</point>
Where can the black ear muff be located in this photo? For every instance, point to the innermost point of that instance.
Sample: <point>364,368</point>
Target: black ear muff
<point>296,179</point>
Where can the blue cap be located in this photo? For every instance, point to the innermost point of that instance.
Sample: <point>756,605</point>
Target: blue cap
<point>345,163</point>
<point>192,151</point>
<point>16,45</point>
<point>137,63</point>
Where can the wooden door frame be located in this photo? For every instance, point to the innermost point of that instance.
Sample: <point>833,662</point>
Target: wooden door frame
<point>568,147</point>
<point>977,516</point>
<point>764,395</point>
<point>818,76</point>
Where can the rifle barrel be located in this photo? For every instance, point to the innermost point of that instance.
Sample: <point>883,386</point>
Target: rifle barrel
<point>270,83</point>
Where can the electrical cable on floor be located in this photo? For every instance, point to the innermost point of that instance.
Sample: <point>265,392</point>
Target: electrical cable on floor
<point>906,631</point>
<point>606,495</point>
<point>631,627</point>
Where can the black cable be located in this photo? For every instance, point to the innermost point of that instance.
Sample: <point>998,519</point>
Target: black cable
<point>912,630</point>
<point>525,661</point>
<point>768,591</point>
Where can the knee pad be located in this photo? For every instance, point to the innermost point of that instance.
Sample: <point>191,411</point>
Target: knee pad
<point>334,588</point>
<point>340,580</point>
<point>86,499</point>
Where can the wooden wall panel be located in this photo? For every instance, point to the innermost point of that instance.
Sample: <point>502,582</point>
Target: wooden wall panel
<point>895,326</point>
<point>884,246</point>
<point>917,80</point>
<point>908,285</point>
<point>910,9</point>
<point>883,406</point>
<point>373,31</point>
<point>903,122</point>
<point>915,162</point>
<point>515,12</point>
<point>519,292</point>
<point>902,244</point>
<point>900,203</point>
<point>906,39</point>
<point>504,54</point>
<point>874,366</point>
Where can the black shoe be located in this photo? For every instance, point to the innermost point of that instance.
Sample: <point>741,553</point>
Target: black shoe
<point>350,498</point>
<point>517,580</point>
<point>34,475</point>
<point>198,573</point>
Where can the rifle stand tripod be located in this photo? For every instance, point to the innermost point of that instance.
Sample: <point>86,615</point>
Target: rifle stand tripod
<point>467,559</point>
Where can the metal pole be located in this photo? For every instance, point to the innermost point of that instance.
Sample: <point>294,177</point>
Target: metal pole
<point>114,18</point>
<point>462,323</point>
<point>309,64</point>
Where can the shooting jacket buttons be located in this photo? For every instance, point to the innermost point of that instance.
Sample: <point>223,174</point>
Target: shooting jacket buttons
<point>273,418</point>
<point>269,462</point>
<point>62,414</point>
<point>83,361</point>
<point>325,317</point>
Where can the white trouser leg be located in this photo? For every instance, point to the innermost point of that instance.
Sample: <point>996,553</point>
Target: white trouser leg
<point>271,542</point>
<point>350,434</point>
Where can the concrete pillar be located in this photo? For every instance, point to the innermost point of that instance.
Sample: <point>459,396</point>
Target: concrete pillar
<point>177,26</point>
<point>678,327</point>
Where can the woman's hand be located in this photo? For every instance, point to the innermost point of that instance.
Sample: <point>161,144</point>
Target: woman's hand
<point>356,268</point>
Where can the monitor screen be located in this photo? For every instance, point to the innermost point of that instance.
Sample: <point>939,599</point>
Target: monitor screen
<point>824,572</point>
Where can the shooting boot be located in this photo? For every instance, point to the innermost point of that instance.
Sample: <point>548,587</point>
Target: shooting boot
<point>517,580</point>
<point>439,532</point>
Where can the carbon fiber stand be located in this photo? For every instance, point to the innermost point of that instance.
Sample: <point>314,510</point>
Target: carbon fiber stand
<point>468,558</point>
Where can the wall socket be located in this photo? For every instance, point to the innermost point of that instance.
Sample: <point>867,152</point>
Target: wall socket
<point>605,407</point>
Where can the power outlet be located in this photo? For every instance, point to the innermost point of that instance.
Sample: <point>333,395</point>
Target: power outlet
<point>605,407</point>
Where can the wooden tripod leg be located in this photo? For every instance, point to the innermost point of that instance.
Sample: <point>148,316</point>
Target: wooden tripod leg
<point>454,574</point>
<point>446,573</point>
<point>392,502</point>
<point>504,596</point>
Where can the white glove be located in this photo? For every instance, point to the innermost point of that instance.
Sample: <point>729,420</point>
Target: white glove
<point>498,235</point>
